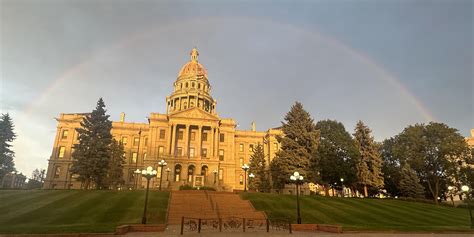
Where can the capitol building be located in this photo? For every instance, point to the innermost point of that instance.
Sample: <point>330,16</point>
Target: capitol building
<point>199,147</point>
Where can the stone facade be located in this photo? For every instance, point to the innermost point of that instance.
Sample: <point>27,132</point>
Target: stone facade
<point>200,148</point>
<point>470,140</point>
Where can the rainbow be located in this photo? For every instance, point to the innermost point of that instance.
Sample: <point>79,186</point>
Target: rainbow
<point>387,77</point>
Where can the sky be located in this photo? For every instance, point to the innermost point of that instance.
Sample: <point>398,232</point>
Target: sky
<point>389,63</point>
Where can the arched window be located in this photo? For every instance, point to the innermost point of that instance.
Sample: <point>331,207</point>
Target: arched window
<point>187,85</point>
<point>177,172</point>
<point>190,173</point>
<point>192,85</point>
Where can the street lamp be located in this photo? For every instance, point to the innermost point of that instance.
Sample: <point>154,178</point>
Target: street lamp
<point>465,189</point>
<point>245,167</point>
<point>161,163</point>
<point>167,174</point>
<point>251,176</point>
<point>298,179</point>
<point>450,191</point>
<point>342,184</point>
<point>215,176</point>
<point>148,174</point>
<point>137,174</point>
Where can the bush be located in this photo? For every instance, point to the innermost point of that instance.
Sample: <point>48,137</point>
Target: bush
<point>189,187</point>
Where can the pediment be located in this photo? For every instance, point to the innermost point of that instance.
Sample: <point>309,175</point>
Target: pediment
<point>195,113</point>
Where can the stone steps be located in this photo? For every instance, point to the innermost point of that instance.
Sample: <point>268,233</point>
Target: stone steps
<point>204,204</point>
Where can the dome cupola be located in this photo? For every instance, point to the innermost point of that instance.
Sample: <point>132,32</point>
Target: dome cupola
<point>192,84</point>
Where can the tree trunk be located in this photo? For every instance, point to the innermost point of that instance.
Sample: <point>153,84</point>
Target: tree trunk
<point>434,192</point>
<point>326,191</point>
<point>366,194</point>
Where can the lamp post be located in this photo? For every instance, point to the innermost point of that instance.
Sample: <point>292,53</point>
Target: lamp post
<point>215,176</point>
<point>251,176</point>
<point>450,191</point>
<point>137,173</point>
<point>245,167</point>
<point>167,174</point>
<point>342,184</point>
<point>148,174</point>
<point>298,179</point>
<point>161,163</point>
<point>465,189</point>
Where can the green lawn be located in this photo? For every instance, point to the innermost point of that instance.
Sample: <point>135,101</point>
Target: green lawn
<point>59,211</point>
<point>364,214</point>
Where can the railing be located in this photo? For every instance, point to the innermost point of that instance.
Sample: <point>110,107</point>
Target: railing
<point>233,224</point>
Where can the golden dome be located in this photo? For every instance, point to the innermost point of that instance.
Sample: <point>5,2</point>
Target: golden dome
<point>193,67</point>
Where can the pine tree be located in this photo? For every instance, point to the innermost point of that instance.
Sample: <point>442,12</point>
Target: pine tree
<point>7,135</point>
<point>92,155</point>
<point>258,168</point>
<point>410,183</point>
<point>369,167</point>
<point>115,174</point>
<point>298,148</point>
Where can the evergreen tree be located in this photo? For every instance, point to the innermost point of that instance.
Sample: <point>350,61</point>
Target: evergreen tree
<point>369,167</point>
<point>92,155</point>
<point>337,154</point>
<point>258,167</point>
<point>410,183</point>
<point>298,148</point>
<point>7,135</point>
<point>115,174</point>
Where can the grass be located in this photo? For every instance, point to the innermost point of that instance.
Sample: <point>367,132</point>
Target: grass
<point>63,211</point>
<point>364,214</point>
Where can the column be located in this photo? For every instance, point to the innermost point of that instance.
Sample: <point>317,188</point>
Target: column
<point>168,139</point>
<point>173,139</point>
<point>186,141</point>
<point>211,142</point>
<point>217,137</point>
<point>197,153</point>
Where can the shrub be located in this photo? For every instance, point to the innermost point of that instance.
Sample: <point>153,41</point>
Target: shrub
<point>189,187</point>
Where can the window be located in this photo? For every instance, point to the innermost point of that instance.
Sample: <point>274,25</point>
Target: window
<point>180,135</point>
<point>136,141</point>
<point>180,151</point>
<point>241,179</point>
<point>57,171</point>
<point>65,133</point>
<point>241,161</point>
<point>146,141</point>
<point>124,141</point>
<point>221,137</point>
<point>144,156</point>
<point>204,152</point>
<point>193,136</point>
<point>204,137</point>
<point>185,105</point>
<point>62,150</point>
<point>192,85</point>
<point>221,155</point>
<point>162,134</point>
<point>187,85</point>
<point>199,85</point>
<point>191,152</point>
<point>275,146</point>
<point>251,148</point>
<point>161,150</point>
<point>241,147</point>
<point>221,174</point>
<point>134,157</point>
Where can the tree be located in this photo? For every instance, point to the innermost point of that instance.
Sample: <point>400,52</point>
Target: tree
<point>37,179</point>
<point>369,168</point>
<point>337,154</point>
<point>410,183</point>
<point>298,148</point>
<point>258,168</point>
<point>391,167</point>
<point>436,152</point>
<point>91,156</point>
<point>117,160</point>
<point>7,136</point>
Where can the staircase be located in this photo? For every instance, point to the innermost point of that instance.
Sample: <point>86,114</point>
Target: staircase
<point>204,204</point>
